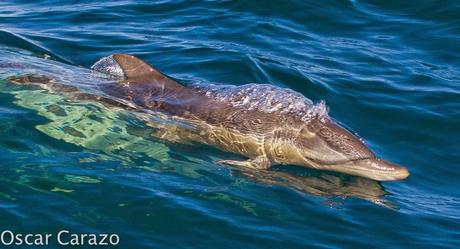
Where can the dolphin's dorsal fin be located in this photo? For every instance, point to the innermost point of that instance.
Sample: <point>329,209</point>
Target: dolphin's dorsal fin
<point>137,71</point>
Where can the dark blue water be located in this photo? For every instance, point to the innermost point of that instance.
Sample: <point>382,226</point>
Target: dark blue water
<point>388,70</point>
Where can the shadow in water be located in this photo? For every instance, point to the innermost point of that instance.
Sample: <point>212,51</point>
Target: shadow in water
<point>322,184</point>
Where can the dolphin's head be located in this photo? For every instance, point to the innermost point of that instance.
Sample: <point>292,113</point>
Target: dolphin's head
<point>323,144</point>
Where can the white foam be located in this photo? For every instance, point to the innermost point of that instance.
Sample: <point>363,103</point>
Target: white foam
<point>267,98</point>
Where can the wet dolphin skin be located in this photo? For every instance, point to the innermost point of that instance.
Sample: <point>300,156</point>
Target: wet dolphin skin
<point>267,124</point>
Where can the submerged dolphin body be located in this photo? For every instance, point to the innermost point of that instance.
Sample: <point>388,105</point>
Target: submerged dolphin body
<point>266,124</point>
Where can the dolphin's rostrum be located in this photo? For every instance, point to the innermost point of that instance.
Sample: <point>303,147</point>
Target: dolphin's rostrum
<point>266,124</point>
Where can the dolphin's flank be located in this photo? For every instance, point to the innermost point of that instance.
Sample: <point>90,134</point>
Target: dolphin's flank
<point>266,124</point>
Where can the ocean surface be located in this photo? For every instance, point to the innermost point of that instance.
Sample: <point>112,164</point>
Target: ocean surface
<point>387,70</point>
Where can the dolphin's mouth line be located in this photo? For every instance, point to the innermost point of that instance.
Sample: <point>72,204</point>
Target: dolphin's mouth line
<point>371,167</point>
<point>359,167</point>
<point>354,164</point>
<point>343,162</point>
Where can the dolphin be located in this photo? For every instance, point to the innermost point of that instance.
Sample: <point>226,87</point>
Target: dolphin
<point>266,124</point>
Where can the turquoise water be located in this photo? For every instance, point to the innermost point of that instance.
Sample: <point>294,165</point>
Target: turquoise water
<point>388,70</point>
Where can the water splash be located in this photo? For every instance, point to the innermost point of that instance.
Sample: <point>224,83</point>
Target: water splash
<point>267,98</point>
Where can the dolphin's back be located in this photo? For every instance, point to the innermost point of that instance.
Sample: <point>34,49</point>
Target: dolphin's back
<point>266,98</point>
<point>251,109</point>
<point>152,88</point>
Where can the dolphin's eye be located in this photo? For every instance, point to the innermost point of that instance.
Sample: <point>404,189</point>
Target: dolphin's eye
<point>306,133</point>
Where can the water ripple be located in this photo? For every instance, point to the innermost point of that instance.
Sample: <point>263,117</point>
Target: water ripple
<point>388,70</point>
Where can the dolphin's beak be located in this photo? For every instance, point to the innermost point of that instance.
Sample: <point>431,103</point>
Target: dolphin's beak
<point>373,168</point>
<point>334,148</point>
